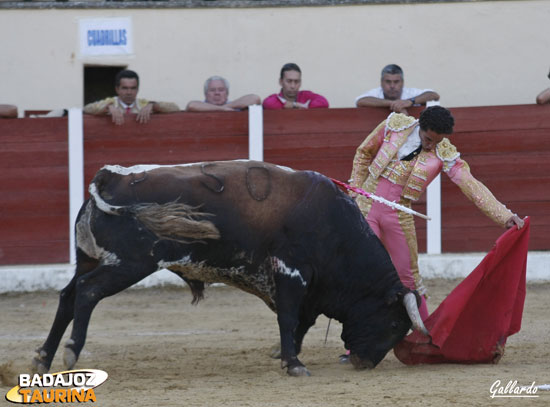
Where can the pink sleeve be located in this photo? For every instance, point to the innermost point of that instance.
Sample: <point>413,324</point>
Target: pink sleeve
<point>272,102</point>
<point>478,193</point>
<point>317,101</point>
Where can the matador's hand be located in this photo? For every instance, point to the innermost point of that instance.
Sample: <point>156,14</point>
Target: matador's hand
<point>514,220</point>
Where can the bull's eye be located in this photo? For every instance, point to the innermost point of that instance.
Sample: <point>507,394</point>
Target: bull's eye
<point>394,325</point>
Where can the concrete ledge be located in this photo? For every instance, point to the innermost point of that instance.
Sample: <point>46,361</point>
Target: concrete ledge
<point>460,265</point>
<point>57,276</point>
<point>196,4</point>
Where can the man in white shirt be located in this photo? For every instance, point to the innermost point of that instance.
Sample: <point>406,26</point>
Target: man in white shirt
<point>392,94</point>
<point>216,98</point>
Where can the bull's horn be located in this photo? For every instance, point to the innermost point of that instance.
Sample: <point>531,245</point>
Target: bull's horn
<point>414,314</point>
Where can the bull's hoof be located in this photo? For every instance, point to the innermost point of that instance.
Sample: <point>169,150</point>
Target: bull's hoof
<point>298,371</point>
<point>69,357</point>
<point>275,351</point>
<point>39,365</point>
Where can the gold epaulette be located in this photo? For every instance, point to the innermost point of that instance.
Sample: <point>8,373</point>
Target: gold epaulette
<point>446,151</point>
<point>399,122</point>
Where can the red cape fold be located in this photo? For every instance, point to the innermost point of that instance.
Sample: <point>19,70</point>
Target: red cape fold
<point>472,324</point>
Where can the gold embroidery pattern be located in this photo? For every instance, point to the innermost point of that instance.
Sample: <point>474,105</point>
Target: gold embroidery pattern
<point>364,156</point>
<point>422,158</point>
<point>387,152</point>
<point>415,184</point>
<point>480,195</point>
<point>397,171</point>
<point>420,172</point>
<point>412,192</point>
<point>363,202</point>
<point>445,151</point>
<point>399,137</point>
<point>406,221</point>
<point>418,181</point>
<point>399,122</point>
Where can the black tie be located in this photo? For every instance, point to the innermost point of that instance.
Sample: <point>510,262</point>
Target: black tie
<point>412,154</point>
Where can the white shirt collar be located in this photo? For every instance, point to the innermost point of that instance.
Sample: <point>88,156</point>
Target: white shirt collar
<point>411,144</point>
<point>124,105</point>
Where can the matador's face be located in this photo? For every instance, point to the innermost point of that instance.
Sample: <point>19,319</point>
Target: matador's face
<point>429,139</point>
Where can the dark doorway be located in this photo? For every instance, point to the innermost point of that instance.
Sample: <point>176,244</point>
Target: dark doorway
<point>99,82</point>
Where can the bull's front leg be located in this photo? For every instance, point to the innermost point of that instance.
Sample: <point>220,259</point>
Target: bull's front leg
<point>289,295</point>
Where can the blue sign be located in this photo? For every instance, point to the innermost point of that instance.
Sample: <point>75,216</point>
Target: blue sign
<point>107,37</point>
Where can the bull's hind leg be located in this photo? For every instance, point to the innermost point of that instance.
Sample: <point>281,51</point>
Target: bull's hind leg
<point>104,281</point>
<point>63,317</point>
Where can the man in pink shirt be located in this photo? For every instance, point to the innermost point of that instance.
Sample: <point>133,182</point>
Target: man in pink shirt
<point>291,97</point>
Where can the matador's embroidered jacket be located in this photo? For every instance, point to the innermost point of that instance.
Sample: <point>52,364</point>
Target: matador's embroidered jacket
<point>377,157</point>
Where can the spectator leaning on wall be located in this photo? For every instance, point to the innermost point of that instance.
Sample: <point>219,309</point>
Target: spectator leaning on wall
<point>126,101</point>
<point>216,97</point>
<point>392,94</point>
<point>290,96</point>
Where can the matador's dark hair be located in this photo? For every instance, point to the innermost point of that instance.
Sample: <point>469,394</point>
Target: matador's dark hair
<point>438,119</point>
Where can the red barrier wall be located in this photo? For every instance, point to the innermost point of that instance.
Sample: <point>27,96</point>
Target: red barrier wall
<point>176,138</point>
<point>323,140</point>
<point>34,198</point>
<point>507,147</point>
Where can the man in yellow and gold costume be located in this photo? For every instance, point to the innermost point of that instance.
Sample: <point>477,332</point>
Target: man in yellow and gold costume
<point>126,101</point>
<point>397,161</point>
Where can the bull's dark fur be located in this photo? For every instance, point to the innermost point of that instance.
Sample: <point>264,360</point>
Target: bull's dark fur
<point>267,218</point>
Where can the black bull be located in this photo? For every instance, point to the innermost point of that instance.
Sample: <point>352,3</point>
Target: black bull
<point>292,238</point>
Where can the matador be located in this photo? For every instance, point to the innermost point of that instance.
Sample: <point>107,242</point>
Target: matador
<point>397,161</point>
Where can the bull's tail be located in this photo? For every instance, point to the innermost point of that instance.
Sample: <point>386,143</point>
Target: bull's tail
<point>176,221</point>
<point>170,221</point>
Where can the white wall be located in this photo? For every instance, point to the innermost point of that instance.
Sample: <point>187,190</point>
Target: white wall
<point>473,53</point>
<point>450,265</point>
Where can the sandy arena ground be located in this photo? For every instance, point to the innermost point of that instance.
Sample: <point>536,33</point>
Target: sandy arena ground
<point>161,351</point>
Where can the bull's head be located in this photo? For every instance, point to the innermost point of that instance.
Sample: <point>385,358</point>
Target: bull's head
<point>374,326</point>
